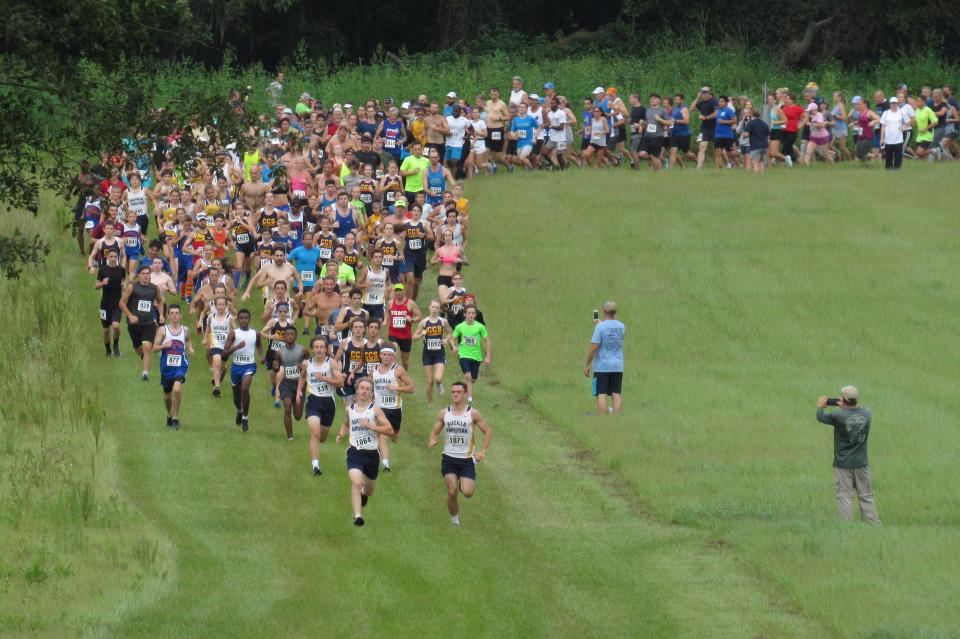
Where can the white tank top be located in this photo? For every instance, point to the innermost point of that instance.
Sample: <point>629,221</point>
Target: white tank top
<point>246,354</point>
<point>376,286</point>
<point>516,97</point>
<point>384,397</point>
<point>315,385</point>
<point>459,441</point>
<point>361,437</point>
<point>219,329</point>
<point>137,201</point>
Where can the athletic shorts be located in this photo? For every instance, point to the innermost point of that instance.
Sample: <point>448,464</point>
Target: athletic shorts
<point>445,280</point>
<point>681,142</point>
<point>706,135</point>
<point>432,357</point>
<point>247,248</point>
<point>143,221</point>
<point>537,147</point>
<point>394,416</point>
<point>496,145</point>
<point>400,265</point>
<point>167,381</point>
<point>759,155</point>
<point>862,149</point>
<point>375,310</point>
<point>324,408</point>
<point>789,139</point>
<point>452,153</point>
<point>270,357</point>
<point>924,145</point>
<point>288,389</point>
<point>652,145</point>
<point>403,342</point>
<point>471,366</point>
<point>607,383</point>
<point>462,468</point>
<point>366,461</point>
<point>216,350</point>
<point>416,263</point>
<point>597,147</point>
<point>239,371</point>
<point>511,147</point>
<point>725,144</point>
<point>142,333</point>
<point>776,134</point>
<point>394,272</point>
<point>110,314</point>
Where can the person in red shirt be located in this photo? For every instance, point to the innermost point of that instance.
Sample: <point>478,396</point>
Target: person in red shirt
<point>403,314</point>
<point>113,180</point>
<point>796,118</point>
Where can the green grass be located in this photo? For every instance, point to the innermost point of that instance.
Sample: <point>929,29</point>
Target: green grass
<point>706,510</point>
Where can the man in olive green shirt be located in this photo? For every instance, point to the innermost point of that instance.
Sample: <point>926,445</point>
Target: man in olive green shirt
<point>926,123</point>
<point>851,427</point>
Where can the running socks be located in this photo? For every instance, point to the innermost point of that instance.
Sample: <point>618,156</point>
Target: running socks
<point>455,520</point>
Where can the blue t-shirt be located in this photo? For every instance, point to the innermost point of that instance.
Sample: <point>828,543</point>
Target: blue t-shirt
<point>609,357</point>
<point>525,128</point>
<point>725,130</point>
<point>305,261</point>
<point>146,260</point>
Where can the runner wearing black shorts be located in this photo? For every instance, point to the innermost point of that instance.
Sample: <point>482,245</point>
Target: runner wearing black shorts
<point>142,302</point>
<point>110,282</point>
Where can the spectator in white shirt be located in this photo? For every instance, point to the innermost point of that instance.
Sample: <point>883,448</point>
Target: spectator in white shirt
<point>892,124</point>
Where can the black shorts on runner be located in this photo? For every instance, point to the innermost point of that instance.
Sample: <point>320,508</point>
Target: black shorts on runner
<point>726,144</point>
<point>394,416</point>
<point>681,142</point>
<point>924,145</point>
<point>537,147</point>
<point>471,366</point>
<point>366,461</point>
<point>375,310</point>
<point>445,280</point>
<point>323,407</point>
<point>652,145</point>
<point>433,357</point>
<point>789,139</point>
<point>706,135</point>
<point>462,468</point>
<point>776,134</point>
<point>495,145</point>
<point>269,357</point>
<point>512,147</point>
<point>109,315</point>
<point>416,263</point>
<point>597,147</point>
<point>288,389</point>
<point>247,248</point>
<point>426,151</point>
<point>403,342</point>
<point>142,333</point>
<point>622,134</point>
<point>607,383</point>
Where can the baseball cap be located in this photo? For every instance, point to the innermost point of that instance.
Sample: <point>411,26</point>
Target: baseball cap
<point>850,392</point>
<point>388,99</point>
<point>612,90</point>
<point>598,90</point>
<point>401,201</point>
<point>366,138</point>
<point>288,111</point>
<point>452,94</point>
<point>405,105</point>
<point>812,85</point>
<point>812,106</point>
<point>548,85</point>
<point>534,96</point>
<point>306,96</point>
<point>609,306</point>
<point>399,287</point>
<point>855,99</point>
<point>704,89</point>
<point>894,100</point>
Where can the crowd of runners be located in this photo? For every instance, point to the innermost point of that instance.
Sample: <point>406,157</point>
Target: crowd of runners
<point>303,256</point>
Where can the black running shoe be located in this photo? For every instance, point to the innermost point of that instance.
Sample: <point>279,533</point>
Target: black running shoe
<point>176,424</point>
<point>169,421</point>
<point>145,377</point>
<point>363,500</point>
<point>116,351</point>
<point>239,418</point>
<point>216,392</point>
<point>245,425</point>
<point>316,471</point>
<point>358,521</point>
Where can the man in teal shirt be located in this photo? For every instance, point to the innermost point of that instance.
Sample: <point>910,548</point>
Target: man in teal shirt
<point>851,426</point>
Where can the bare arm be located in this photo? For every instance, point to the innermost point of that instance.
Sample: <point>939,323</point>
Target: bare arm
<point>487,434</point>
<point>434,438</point>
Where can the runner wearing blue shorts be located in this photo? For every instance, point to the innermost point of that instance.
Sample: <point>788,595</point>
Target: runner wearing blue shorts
<point>244,344</point>
<point>173,344</point>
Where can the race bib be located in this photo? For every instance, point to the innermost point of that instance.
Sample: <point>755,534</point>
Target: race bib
<point>325,253</point>
<point>144,306</point>
<point>311,227</point>
<point>243,359</point>
<point>277,345</point>
<point>132,242</point>
<point>857,130</point>
<point>375,297</point>
<point>470,340</point>
<point>700,137</point>
<point>243,238</point>
<point>291,372</point>
<point>496,135</point>
<point>391,196</point>
<point>363,441</point>
<point>220,338</point>
<point>378,173</point>
<point>436,190</point>
<point>388,260</point>
<point>302,195</point>
<point>354,365</point>
<point>619,117</point>
<point>174,360</point>
<point>562,145</point>
<point>522,134</point>
<point>307,277</point>
<point>651,128</point>
<point>597,139</point>
<point>320,387</point>
<point>388,399</point>
<point>366,198</point>
<point>389,143</point>
<point>399,321</point>
<point>88,225</point>
<point>415,244</point>
<point>434,343</point>
<point>103,314</point>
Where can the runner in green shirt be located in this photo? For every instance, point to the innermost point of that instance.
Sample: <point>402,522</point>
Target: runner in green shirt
<point>413,169</point>
<point>473,347</point>
<point>926,121</point>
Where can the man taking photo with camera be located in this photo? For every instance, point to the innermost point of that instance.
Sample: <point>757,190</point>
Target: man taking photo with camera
<point>851,426</point>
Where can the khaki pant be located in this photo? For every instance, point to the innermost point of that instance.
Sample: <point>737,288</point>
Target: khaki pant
<point>848,480</point>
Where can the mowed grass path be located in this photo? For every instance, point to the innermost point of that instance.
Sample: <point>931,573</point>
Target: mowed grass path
<point>744,299</point>
<point>706,510</point>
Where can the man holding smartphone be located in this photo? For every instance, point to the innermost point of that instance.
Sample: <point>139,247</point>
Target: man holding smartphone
<point>851,426</point>
<point>606,355</point>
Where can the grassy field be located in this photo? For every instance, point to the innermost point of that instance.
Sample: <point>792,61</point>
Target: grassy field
<point>706,510</point>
